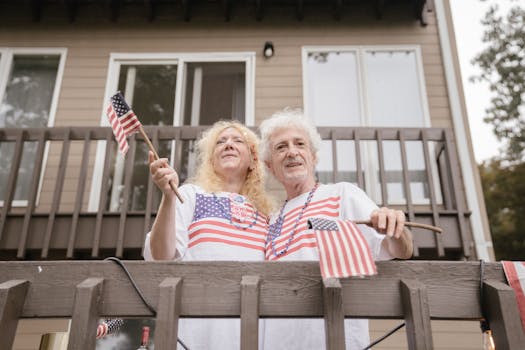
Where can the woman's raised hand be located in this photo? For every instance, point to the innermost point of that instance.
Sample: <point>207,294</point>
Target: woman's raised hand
<point>161,174</point>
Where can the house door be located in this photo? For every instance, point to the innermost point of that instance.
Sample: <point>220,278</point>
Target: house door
<point>187,90</point>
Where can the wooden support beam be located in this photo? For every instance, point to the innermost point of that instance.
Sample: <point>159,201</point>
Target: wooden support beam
<point>186,10</point>
<point>334,319</point>
<point>500,306</point>
<point>151,9</point>
<point>299,10</point>
<point>12,298</point>
<point>338,9</point>
<point>227,7</point>
<point>259,10</point>
<point>85,314</point>
<point>379,6</point>
<point>417,315</point>
<point>71,9</point>
<point>114,7</point>
<point>36,9</point>
<point>250,312</point>
<point>168,311</point>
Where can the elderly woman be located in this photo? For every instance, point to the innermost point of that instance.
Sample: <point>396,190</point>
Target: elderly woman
<point>223,217</point>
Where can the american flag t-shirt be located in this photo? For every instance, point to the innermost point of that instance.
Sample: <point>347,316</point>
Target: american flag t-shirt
<point>122,119</point>
<point>343,251</point>
<point>215,222</point>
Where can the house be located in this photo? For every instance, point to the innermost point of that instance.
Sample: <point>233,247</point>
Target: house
<point>380,79</point>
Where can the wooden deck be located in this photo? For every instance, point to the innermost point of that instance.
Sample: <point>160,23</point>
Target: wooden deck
<point>54,220</point>
<point>416,291</point>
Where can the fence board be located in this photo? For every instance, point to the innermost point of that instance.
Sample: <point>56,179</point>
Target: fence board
<point>417,315</point>
<point>12,297</point>
<point>168,310</point>
<point>86,312</point>
<point>250,312</point>
<point>334,319</point>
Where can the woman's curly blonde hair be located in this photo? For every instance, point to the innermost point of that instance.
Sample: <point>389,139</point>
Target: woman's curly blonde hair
<point>206,177</point>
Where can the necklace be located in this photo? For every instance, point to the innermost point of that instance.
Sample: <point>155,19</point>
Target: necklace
<point>274,230</point>
<point>229,214</point>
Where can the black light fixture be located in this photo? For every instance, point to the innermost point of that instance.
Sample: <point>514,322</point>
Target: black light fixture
<point>268,50</point>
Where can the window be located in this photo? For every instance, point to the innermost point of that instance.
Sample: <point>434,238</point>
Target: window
<point>376,87</point>
<point>29,87</point>
<point>164,89</point>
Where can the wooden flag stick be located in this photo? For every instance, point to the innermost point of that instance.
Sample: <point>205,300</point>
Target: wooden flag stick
<point>407,223</point>
<point>152,149</point>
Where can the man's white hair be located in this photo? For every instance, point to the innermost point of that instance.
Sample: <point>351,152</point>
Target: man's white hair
<point>288,118</point>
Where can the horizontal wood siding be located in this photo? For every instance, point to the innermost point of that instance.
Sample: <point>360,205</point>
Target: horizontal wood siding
<point>278,81</point>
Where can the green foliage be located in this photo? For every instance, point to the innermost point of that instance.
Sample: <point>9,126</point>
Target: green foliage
<point>504,190</point>
<point>502,63</point>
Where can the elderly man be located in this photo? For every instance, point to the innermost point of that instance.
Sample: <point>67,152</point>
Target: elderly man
<point>290,145</point>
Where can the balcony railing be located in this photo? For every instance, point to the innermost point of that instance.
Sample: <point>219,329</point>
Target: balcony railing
<point>416,291</point>
<point>65,193</point>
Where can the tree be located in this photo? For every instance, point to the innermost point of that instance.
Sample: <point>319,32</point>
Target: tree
<point>504,191</point>
<point>502,64</point>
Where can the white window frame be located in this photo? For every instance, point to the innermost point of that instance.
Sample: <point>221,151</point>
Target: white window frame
<point>116,60</point>
<point>6,60</point>
<point>360,51</point>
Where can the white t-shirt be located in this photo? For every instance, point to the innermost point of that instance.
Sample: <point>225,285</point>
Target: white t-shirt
<point>222,226</point>
<point>337,201</point>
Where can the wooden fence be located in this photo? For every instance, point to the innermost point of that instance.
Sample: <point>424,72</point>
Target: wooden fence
<point>416,291</point>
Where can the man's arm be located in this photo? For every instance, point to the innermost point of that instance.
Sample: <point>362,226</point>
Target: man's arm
<point>402,247</point>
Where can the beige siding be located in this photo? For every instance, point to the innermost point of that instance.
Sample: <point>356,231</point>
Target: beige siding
<point>30,331</point>
<point>278,81</point>
<point>449,335</point>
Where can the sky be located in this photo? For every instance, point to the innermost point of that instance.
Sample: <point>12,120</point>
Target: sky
<point>467,15</point>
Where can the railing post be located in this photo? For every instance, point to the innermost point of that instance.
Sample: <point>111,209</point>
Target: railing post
<point>334,319</point>
<point>85,314</point>
<point>168,311</point>
<point>250,312</point>
<point>417,315</point>
<point>499,302</point>
<point>12,297</point>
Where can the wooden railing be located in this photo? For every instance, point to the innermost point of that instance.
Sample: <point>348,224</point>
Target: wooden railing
<point>416,291</point>
<point>59,199</point>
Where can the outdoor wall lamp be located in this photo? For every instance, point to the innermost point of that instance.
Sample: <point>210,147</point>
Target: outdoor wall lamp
<point>268,50</point>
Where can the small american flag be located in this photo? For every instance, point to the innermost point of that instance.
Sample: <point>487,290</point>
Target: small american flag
<point>343,251</point>
<point>515,273</point>
<point>108,326</point>
<point>122,119</point>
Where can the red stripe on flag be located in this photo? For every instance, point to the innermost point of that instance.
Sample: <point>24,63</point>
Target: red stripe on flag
<point>515,273</point>
<point>344,252</point>
<point>118,131</point>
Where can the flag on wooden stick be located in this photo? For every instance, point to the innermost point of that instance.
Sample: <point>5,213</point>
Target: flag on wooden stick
<point>515,273</point>
<point>343,251</point>
<point>123,120</point>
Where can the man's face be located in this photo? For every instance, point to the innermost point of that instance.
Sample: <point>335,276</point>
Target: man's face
<point>291,159</point>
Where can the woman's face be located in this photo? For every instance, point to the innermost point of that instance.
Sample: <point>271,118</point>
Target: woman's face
<point>231,154</point>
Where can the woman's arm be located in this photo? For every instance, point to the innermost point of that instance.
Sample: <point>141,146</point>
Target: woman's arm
<point>163,240</point>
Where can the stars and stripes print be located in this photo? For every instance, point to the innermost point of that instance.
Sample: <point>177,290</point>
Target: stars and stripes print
<point>303,238</point>
<point>122,119</point>
<point>213,222</point>
<point>343,251</point>
<point>515,273</point>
